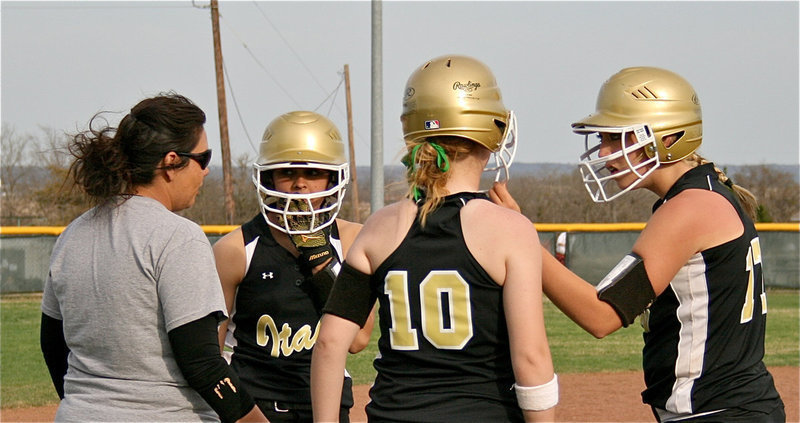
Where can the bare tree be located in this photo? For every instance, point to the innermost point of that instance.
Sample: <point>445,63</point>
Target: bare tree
<point>777,192</point>
<point>15,174</point>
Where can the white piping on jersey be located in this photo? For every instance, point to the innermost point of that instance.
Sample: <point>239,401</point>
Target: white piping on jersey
<point>249,250</point>
<point>337,245</point>
<point>708,179</point>
<point>666,416</point>
<point>230,340</point>
<point>691,289</point>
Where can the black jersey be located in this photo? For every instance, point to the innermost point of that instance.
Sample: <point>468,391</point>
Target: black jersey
<point>444,352</point>
<point>274,323</point>
<point>704,335</point>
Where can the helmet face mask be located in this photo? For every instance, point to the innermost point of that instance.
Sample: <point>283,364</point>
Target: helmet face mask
<point>301,140</point>
<point>652,103</point>
<point>501,160</point>
<point>598,178</point>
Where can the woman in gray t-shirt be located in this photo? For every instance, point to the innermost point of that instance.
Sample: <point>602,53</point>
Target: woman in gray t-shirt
<point>132,301</point>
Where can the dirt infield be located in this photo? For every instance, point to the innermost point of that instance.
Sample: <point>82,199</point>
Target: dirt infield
<point>585,397</point>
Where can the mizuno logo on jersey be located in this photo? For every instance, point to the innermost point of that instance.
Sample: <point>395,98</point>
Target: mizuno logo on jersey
<point>307,237</point>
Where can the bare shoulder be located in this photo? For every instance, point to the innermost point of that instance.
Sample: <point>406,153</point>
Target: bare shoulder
<point>230,243</point>
<point>698,208</point>
<point>697,217</point>
<point>383,231</point>
<point>404,210</point>
<point>348,229</point>
<point>496,219</point>
<point>230,258</point>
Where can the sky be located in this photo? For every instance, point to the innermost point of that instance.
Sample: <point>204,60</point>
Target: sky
<point>62,62</point>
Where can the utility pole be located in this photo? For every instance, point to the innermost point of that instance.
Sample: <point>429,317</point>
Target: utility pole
<point>227,181</point>
<point>354,173</point>
<point>376,159</point>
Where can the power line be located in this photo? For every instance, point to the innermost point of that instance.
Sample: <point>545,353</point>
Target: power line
<point>332,93</point>
<point>274,79</point>
<point>307,68</point>
<point>236,106</point>
<point>285,41</point>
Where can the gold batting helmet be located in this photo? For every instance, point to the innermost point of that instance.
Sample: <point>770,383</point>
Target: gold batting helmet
<point>458,96</point>
<point>651,103</point>
<point>301,139</point>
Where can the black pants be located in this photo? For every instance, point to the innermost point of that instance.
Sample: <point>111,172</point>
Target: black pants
<point>289,412</point>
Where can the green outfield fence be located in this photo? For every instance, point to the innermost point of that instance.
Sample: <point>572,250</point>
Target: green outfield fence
<point>592,249</point>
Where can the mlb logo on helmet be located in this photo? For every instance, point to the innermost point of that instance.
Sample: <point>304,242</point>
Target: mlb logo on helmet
<point>431,124</point>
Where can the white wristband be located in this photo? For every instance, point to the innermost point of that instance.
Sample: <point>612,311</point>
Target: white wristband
<point>538,398</point>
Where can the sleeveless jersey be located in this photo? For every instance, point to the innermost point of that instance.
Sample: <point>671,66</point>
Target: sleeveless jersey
<point>274,323</point>
<point>444,351</point>
<point>704,335</point>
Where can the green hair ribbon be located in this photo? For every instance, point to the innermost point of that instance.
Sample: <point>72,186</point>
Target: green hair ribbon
<point>410,160</point>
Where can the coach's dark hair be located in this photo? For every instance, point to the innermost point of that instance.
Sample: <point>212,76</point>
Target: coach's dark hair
<point>112,161</point>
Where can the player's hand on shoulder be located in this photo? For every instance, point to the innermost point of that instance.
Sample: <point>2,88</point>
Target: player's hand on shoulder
<point>500,195</point>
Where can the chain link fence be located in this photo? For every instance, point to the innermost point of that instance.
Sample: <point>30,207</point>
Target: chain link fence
<point>591,250</point>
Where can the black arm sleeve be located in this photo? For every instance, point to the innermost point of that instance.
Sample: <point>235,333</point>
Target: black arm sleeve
<point>351,297</point>
<point>627,288</point>
<point>196,349</point>
<point>55,351</point>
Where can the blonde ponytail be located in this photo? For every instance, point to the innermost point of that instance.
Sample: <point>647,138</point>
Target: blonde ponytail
<point>427,162</point>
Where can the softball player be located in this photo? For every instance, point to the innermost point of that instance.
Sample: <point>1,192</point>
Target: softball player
<point>278,268</point>
<point>462,331</point>
<point>694,275</point>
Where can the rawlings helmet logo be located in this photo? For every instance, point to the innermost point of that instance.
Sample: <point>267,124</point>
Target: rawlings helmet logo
<point>468,87</point>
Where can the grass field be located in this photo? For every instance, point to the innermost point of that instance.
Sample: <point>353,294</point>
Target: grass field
<point>24,380</point>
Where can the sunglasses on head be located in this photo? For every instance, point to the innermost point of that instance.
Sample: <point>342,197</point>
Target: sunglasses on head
<point>201,158</point>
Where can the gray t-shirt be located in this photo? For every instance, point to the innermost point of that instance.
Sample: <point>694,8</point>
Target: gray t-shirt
<point>120,279</point>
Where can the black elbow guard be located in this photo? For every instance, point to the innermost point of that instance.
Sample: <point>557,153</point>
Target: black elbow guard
<point>351,297</point>
<point>627,288</point>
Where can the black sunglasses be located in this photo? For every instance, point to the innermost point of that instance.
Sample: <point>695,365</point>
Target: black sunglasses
<point>201,158</point>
